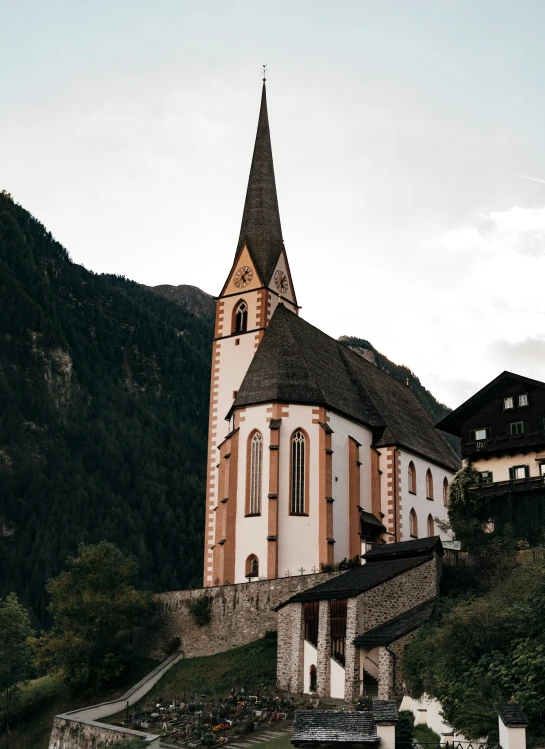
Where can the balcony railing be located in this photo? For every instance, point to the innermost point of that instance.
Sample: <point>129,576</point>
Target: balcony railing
<point>504,442</point>
<point>508,487</point>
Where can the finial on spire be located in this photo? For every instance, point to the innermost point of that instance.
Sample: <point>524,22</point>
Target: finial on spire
<point>264,73</point>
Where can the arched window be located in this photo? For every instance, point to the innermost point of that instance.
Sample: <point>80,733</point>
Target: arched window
<point>241,318</point>
<point>445,491</point>
<point>412,478</point>
<point>431,527</point>
<point>298,467</point>
<point>429,484</point>
<point>256,473</point>
<point>413,524</point>
<point>252,566</point>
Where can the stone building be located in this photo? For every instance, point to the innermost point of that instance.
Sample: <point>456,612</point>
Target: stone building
<point>314,453</point>
<point>346,636</point>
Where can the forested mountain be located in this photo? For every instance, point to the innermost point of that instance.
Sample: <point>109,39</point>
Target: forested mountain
<point>104,392</point>
<point>190,297</point>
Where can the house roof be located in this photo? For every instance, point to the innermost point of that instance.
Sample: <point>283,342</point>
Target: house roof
<point>453,422</point>
<point>385,711</point>
<point>330,726</point>
<point>260,228</point>
<point>405,549</point>
<point>402,625</point>
<point>512,714</point>
<point>357,580</point>
<point>297,363</point>
<point>368,518</point>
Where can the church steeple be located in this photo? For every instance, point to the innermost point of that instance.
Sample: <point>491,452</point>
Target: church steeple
<point>261,229</point>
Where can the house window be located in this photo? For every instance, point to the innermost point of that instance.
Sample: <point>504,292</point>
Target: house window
<point>479,434</point>
<point>252,566</point>
<point>519,472</point>
<point>431,527</point>
<point>413,524</point>
<point>298,467</point>
<point>516,427</point>
<point>445,491</point>
<point>523,399</point>
<point>241,318</point>
<point>256,471</point>
<point>412,478</point>
<point>486,477</point>
<point>311,610</point>
<point>508,403</point>
<point>429,484</point>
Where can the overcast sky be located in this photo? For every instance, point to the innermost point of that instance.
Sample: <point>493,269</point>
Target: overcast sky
<point>409,148</point>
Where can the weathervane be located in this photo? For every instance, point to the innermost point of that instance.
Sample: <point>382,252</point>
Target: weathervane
<point>264,73</point>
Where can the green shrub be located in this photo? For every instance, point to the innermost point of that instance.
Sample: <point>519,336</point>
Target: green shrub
<point>201,610</point>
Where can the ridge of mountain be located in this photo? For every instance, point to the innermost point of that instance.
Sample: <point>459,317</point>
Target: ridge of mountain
<point>192,298</point>
<point>104,391</point>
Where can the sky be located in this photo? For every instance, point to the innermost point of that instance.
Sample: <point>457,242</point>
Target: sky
<point>408,146</point>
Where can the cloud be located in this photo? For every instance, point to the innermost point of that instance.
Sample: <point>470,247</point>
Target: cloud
<point>526,357</point>
<point>533,179</point>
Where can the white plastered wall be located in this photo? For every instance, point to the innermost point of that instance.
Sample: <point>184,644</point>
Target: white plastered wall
<point>500,465</point>
<point>343,429</point>
<point>337,680</point>
<point>419,502</point>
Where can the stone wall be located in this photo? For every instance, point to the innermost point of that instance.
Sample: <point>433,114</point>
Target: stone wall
<point>240,614</point>
<point>289,669</point>
<point>71,734</point>
<point>394,597</point>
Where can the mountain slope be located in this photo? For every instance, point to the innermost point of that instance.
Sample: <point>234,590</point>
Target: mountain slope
<point>191,298</point>
<point>103,417</point>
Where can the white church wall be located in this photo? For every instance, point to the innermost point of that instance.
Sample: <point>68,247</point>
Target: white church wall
<point>337,680</point>
<point>310,658</point>
<point>298,535</point>
<point>422,506</point>
<point>251,532</point>
<point>343,429</point>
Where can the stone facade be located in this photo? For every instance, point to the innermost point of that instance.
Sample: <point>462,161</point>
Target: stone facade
<point>323,665</point>
<point>289,672</point>
<point>70,734</point>
<point>240,614</point>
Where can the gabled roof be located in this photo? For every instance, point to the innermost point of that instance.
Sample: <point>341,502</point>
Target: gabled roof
<point>367,518</point>
<point>405,549</point>
<point>402,625</point>
<point>385,711</point>
<point>331,726</point>
<point>512,715</point>
<point>297,363</point>
<point>260,229</point>
<point>357,580</point>
<point>452,423</point>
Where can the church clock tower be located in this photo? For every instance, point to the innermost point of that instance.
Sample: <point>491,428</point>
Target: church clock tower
<point>259,279</point>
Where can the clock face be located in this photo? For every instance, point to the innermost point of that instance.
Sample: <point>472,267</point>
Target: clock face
<point>243,276</point>
<point>281,281</point>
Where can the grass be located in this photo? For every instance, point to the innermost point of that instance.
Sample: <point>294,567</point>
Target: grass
<point>424,734</point>
<point>42,699</point>
<point>252,665</point>
<point>282,742</point>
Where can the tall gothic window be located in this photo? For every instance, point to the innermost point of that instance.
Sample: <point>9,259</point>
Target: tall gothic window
<point>256,472</point>
<point>241,318</point>
<point>429,484</point>
<point>431,527</point>
<point>413,524</point>
<point>252,566</point>
<point>445,491</point>
<point>412,478</point>
<point>298,445</point>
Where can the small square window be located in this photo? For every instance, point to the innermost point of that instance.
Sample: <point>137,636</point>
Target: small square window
<point>519,472</point>
<point>480,434</point>
<point>508,403</point>
<point>523,399</point>
<point>516,427</point>
<point>486,477</point>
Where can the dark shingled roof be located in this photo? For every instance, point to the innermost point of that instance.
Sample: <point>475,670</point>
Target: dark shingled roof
<point>260,227</point>
<point>325,726</point>
<point>369,519</point>
<point>405,549</point>
<point>512,715</point>
<point>399,627</point>
<point>385,711</point>
<point>297,363</point>
<point>357,580</point>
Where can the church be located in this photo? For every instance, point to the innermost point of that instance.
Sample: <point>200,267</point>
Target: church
<point>314,453</point>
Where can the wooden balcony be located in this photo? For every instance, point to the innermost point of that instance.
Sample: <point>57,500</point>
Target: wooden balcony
<point>500,488</point>
<point>505,443</point>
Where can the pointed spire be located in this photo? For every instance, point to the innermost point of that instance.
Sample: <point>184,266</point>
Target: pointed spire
<point>260,227</point>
